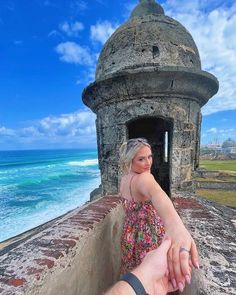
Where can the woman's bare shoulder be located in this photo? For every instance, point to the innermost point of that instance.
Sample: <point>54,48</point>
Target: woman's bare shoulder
<point>147,178</point>
<point>145,175</point>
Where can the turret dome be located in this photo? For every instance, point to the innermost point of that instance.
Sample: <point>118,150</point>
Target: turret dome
<point>148,39</point>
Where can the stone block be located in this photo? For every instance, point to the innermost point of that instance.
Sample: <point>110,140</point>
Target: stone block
<point>182,139</point>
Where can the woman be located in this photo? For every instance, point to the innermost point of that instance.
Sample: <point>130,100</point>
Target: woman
<point>149,215</point>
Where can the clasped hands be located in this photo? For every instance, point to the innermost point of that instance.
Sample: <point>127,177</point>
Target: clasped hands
<point>182,256</point>
<point>168,268</point>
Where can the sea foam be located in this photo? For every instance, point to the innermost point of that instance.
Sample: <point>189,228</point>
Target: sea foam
<point>91,162</point>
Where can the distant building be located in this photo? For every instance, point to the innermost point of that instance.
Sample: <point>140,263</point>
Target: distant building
<point>213,145</point>
<point>229,143</point>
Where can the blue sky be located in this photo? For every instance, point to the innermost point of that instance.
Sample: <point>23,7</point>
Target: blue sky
<point>49,50</point>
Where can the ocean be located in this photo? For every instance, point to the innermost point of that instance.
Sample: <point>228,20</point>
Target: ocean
<point>39,185</point>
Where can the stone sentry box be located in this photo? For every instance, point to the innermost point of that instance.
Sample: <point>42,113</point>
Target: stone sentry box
<point>149,83</point>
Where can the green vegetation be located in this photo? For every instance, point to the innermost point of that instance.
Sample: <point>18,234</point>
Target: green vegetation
<point>224,165</point>
<point>224,197</point>
<point>230,178</point>
<point>227,170</point>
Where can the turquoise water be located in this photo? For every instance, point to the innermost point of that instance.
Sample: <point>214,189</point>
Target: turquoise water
<point>37,186</point>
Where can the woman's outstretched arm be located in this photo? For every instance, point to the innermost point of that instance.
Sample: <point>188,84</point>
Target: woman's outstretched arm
<point>183,251</point>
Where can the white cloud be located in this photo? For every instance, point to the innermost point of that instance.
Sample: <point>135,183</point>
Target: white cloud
<point>72,52</point>
<point>102,2</point>
<point>128,8</point>
<point>55,33</point>
<point>212,25</point>
<point>225,131</point>
<point>102,31</point>
<point>74,124</point>
<point>78,6</point>
<point>75,129</point>
<point>6,131</point>
<point>87,76</point>
<point>218,134</point>
<point>212,130</point>
<point>71,29</point>
<point>31,132</point>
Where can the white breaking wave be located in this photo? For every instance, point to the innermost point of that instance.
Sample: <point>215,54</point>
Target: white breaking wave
<point>91,162</point>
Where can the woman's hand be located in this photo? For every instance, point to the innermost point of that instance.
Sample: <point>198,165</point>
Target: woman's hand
<point>182,255</point>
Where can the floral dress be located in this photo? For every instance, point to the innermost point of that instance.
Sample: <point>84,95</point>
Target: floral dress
<point>143,231</point>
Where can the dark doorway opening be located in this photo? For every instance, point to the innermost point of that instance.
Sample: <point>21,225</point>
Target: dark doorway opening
<point>158,132</point>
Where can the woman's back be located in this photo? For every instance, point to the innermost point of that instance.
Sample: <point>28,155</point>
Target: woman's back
<point>128,188</point>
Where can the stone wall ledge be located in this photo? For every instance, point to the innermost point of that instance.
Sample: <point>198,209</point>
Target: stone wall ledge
<point>213,228</point>
<point>206,173</point>
<point>33,266</point>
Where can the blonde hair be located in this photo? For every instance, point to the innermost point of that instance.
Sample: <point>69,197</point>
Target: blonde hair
<point>128,151</point>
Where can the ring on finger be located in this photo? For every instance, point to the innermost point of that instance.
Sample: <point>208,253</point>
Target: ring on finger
<point>183,249</point>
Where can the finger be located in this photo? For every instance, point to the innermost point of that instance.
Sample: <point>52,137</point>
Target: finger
<point>171,288</point>
<point>171,269</point>
<point>165,246</point>
<point>194,255</point>
<point>184,264</point>
<point>177,269</point>
<point>190,263</point>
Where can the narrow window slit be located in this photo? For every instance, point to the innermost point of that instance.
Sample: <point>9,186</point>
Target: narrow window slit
<point>155,51</point>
